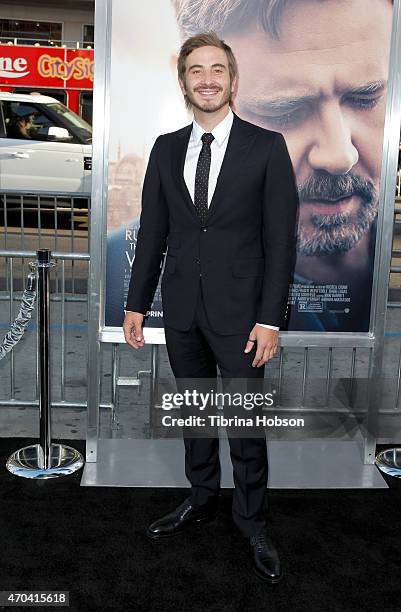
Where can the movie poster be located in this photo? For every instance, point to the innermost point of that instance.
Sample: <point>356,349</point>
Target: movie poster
<point>314,71</point>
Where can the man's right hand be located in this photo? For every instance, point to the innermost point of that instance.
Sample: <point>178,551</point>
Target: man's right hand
<point>132,327</point>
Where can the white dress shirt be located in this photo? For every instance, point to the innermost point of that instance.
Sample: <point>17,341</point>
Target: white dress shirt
<point>218,148</point>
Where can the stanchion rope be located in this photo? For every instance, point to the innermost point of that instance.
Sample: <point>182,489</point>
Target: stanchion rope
<point>24,316</point>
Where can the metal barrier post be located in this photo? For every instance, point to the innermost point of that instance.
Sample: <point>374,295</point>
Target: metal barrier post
<point>43,266</point>
<point>44,460</point>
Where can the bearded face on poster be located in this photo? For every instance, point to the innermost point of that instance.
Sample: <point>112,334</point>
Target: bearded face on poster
<point>316,71</point>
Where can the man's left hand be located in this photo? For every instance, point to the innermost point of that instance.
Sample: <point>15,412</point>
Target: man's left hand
<point>266,341</point>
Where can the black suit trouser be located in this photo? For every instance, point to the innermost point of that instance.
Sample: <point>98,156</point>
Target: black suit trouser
<point>196,353</point>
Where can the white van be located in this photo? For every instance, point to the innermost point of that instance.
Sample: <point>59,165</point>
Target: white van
<point>43,146</point>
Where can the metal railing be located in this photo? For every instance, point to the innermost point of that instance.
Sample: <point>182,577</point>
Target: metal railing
<point>59,222</point>
<point>34,42</point>
<point>320,381</point>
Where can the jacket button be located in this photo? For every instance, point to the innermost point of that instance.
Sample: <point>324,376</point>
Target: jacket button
<point>204,229</point>
<point>197,260</point>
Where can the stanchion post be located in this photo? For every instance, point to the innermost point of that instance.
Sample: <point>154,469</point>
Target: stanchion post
<point>44,263</point>
<point>44,460</point>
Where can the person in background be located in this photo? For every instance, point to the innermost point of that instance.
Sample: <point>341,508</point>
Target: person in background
<point>316,72</point>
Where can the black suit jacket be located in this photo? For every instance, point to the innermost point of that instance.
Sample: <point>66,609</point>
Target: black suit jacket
<point>244,251</point>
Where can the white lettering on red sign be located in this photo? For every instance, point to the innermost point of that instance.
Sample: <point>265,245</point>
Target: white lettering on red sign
<point>13,69</point>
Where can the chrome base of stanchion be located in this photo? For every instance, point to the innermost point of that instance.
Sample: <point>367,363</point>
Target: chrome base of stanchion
<point>389,462</point>
<point>28,462</point>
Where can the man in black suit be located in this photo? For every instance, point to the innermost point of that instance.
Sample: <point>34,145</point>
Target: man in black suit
<point>221,194</point>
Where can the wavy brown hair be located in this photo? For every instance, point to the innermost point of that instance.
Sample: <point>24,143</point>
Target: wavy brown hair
<point>205,39</point>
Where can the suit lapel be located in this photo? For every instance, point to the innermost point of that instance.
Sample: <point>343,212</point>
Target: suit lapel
<point>180,152</point>
<point>239,141</point>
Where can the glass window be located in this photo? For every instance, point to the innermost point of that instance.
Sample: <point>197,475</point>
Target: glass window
<point>89,34</point>
<point>86,106</point>
<point>80,125</point>
<point>28,122</point>
<point>2,126</point>
<point>30,31</point>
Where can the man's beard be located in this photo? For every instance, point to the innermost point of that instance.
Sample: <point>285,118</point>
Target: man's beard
<point>336,232</point>
<point>207,107</point>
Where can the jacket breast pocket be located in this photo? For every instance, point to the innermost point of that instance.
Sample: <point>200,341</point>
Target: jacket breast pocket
<point>248,267</point>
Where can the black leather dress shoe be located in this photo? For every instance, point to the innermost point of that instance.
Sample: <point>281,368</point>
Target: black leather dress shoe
<point>266,562</point>
<point>176,521</point>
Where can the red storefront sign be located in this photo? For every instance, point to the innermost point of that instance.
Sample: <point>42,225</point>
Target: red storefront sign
<point>49,67</point>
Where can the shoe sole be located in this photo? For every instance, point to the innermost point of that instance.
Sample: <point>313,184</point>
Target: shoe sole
<point>266,579</point>
<point>153,536</point>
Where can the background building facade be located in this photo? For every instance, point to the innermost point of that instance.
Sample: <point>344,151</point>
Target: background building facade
<point>50,24</point>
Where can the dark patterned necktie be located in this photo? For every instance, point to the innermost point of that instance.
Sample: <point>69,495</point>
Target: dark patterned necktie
<point>202,177</point>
